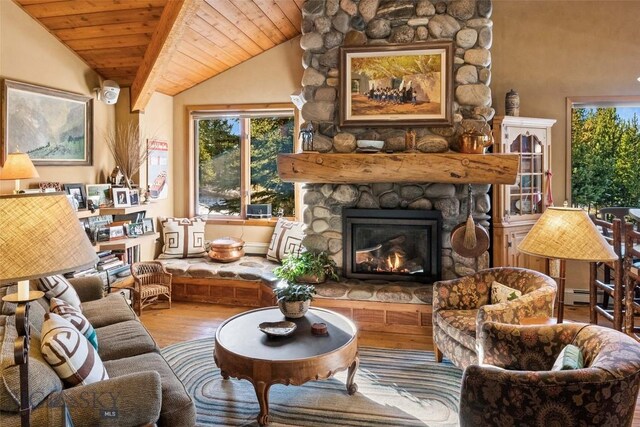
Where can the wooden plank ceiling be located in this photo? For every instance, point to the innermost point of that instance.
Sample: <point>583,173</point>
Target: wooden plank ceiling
<point>152,47</point>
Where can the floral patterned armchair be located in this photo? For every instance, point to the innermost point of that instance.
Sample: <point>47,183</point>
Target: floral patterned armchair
<point>520,390</point>
<point>461,306</point>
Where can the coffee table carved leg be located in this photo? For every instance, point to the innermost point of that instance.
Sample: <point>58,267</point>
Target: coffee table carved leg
<point>351,386</point>
<point>262,392</point>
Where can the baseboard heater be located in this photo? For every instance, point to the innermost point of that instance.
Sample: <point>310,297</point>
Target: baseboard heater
<point>579,296</point>
<point>256,248</point>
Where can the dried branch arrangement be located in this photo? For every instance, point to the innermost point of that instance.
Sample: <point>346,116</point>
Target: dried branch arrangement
<point>127,148</point>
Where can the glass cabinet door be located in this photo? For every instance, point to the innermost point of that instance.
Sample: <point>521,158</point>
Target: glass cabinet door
<point>525,196</point>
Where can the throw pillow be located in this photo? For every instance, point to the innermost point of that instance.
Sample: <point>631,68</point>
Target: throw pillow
<point>59,287</point>
<point>182,237</point>
<point>69,352</point>
<point>76,318</point>
<point>569,358</point>
<point>501,293</point>
<point>287,238</point>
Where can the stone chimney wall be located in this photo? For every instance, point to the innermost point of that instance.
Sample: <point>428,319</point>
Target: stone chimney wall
<point>329,24</point>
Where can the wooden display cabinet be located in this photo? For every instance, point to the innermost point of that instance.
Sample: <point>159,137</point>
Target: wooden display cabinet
<point>517,207</point>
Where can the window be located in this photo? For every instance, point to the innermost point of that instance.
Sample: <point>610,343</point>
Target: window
<point>605,153</point>
<point>235,159</point>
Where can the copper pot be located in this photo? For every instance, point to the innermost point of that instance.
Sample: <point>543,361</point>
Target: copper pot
<point>473,141</point>
<point>226,249</point>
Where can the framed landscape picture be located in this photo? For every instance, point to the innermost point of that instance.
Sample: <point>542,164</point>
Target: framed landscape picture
<point>99,194</point>
<point>53,127</point>
<point>408,85</point>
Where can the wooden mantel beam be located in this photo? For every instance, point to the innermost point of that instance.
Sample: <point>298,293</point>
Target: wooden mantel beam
<point>354,168</point>
<point>175,16</point>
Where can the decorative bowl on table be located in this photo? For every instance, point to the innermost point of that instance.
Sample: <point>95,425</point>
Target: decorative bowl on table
<point>369,145</point>
<point>277,329</point>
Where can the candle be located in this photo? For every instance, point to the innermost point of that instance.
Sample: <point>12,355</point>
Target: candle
<point>23,290</point>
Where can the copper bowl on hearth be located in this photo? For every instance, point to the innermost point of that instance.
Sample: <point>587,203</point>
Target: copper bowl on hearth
<point>226,249</point>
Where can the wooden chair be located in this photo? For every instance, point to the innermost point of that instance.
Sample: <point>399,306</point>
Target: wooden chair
<point>612,283</point>
<point>152,284</point>
<point>609,214</point>
<point>632,279</point>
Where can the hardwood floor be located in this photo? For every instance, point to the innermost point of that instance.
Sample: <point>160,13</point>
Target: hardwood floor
<point>188,321</point>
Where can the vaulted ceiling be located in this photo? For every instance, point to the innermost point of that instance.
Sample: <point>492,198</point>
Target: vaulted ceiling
<point>166,45</point>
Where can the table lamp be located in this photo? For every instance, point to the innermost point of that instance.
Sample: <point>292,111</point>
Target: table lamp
<point>40,235</point>
<point>18,166</point>
<point>564,233</point>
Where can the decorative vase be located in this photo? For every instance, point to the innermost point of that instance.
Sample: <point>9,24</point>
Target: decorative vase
<point>512,103</point>
<point>294,309</point>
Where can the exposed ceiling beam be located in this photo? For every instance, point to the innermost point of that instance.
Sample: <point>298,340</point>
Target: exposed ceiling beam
<point>173,21</point>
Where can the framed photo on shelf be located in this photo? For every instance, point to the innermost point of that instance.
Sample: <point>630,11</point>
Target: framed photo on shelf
<point>148,226</point>
<point>100,195</point>
<point>121,198</point>
<point>117,232</point>
<point>59,131</point>
<point>407,85</point>
<point>78,194</point>
<point>134,195</point>
<point>135,229</point>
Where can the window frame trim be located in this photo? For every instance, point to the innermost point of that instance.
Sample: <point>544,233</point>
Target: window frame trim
<point>191,177</point>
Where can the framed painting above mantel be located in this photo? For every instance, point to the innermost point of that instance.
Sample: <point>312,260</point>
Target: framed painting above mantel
<point>54,127</point>
<point>397,85</point>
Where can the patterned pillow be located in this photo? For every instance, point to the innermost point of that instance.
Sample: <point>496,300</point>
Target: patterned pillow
<point>287,238</point>
<point>182,237</point>
<point>59,287</point>
<point>69,352</point>
<point>569,358</point>
<point>76,318</point>
<point>501,293</point>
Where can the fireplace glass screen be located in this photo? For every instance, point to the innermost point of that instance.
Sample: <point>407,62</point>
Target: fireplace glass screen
<point>392,244</point>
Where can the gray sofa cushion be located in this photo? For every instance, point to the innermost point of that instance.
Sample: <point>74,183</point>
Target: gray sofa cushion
<point>177,407</point>
<point>107,311</point>
<point>124,339</point>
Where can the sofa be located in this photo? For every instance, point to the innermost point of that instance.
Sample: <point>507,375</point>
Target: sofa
<point>461,306</point>
<point>141,389</point>
<point>514,385</point>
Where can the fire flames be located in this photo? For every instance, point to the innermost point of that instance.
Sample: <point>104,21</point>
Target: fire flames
<point>394,262</point>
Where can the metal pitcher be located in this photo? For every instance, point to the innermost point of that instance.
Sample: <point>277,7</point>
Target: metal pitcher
<point>473,141</point>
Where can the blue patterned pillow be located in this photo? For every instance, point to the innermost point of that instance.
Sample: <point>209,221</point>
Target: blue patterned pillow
<point>569,358</point>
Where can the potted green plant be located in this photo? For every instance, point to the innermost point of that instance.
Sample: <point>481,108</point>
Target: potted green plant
<point>294,298</point>
<point>307,267</point>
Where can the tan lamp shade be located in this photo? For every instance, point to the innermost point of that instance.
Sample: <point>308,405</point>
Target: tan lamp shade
<point>40,235</point>
<point>569,234</point>
<point>18,166</point>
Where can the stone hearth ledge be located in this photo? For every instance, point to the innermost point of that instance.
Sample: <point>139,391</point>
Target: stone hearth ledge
<point>253,268</point>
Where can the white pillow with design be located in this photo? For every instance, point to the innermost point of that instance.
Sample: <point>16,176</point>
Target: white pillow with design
<point>182,237</point>
<point>59,287</point>
<point>76,318</point>
<point>287,238</point>
<point>69,353</point>
<point>501,293</point>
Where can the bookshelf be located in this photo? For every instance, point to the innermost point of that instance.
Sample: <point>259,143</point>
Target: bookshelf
<point>127,250</point>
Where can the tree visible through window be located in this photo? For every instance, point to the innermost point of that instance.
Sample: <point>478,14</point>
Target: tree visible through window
<point>223,178</point>
<point>605,156</point>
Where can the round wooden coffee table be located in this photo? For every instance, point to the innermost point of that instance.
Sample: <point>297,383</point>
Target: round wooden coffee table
<point>242,351</point>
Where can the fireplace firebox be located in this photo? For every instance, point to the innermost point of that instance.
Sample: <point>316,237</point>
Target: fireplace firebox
<point>392,244</point>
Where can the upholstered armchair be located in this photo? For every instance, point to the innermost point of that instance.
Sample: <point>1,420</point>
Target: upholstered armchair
<point>515,386</point>
<point>461,306</point>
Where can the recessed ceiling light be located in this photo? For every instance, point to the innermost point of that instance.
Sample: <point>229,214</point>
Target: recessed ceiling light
<point>639,79</point>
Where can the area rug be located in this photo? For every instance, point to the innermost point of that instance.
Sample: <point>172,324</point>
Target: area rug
<point>395,388</point>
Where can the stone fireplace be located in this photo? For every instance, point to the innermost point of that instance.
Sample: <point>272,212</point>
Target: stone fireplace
<point>329,24</point>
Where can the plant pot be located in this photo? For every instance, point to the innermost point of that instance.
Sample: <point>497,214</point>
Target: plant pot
<point>294,309</point>
<point>312,278</point>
